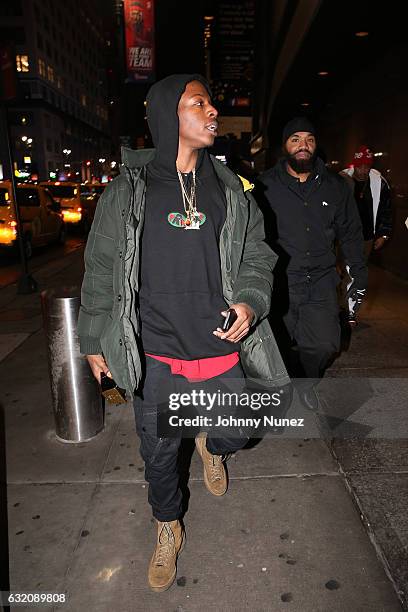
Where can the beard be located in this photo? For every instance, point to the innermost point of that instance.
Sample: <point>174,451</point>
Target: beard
<point>301,166</point>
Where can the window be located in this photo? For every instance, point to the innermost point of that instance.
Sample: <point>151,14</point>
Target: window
<point>48,144</point>
<point>22,63</point>
<point>59,82</point>
<point>27,196</point>
<point>4,197</point>
<point>50,73</point>
<point>48,49</point>
<point>40,42</point>
<point>48,199</point>
<point>25,90</point>
<point>63,191</point>
<point>41,67</point>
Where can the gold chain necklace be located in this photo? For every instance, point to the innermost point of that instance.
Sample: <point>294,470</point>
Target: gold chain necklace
<point>189,201</point>
<point>193,218</point>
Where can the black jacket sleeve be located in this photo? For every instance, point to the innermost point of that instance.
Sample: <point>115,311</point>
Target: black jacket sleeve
<point>350,236</point>
<point>384,214</point>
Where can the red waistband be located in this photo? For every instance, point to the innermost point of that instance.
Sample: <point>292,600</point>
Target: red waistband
<point>199,369</point>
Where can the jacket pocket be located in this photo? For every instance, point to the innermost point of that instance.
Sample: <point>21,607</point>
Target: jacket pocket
<point>261,359</point>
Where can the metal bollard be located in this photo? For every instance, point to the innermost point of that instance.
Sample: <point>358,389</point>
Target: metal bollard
<point>76,396</point>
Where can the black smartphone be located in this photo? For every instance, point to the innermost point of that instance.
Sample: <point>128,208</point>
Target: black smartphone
<point>229,319</point>
<point>111,392</point>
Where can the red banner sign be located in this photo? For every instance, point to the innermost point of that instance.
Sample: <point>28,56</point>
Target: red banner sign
<point>139,28</point>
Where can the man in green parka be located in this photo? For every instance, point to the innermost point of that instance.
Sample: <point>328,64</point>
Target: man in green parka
<point>177,240</point>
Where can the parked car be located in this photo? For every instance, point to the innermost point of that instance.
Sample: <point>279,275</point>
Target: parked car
<point>78,206</point>
<point>40,215</point>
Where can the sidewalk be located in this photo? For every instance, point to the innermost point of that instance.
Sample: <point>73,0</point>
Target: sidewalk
<point>287,536</point>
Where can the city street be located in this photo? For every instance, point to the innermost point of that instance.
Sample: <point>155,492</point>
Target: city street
<point>10,266</point>
<point>306,525</point>
<point>194,109</point>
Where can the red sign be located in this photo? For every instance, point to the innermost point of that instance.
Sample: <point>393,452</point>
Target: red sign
<point>139,32</point>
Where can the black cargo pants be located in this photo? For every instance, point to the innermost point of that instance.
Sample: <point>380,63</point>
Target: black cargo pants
<point>312,322</point>
<point>161,454</point>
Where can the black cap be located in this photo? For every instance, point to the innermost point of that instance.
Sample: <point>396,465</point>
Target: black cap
<point>298,124</point>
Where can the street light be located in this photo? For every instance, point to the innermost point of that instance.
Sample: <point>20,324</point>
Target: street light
<point>102,160</point>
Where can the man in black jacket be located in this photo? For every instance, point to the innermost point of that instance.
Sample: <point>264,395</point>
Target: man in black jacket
<point>312,208</point>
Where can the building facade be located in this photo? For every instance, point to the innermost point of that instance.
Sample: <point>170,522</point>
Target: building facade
<point>59,121</point>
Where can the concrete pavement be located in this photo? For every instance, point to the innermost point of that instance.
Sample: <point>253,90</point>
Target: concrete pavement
<point>302,527</point>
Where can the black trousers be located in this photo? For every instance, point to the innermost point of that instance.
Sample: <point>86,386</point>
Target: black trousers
<point>312,322</point>
<point>160,454</point>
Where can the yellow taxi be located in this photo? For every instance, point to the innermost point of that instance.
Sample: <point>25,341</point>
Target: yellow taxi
<point>69,197</point>
<point>41,218</point>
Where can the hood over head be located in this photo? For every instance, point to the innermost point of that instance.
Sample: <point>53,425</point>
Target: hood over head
<point>162,104</point>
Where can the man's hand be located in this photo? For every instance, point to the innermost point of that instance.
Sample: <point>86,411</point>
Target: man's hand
<point>379,243</point>
<point>241,326</point>
<point>98,365</point>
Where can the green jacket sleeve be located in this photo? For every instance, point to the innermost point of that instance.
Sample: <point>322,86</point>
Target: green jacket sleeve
<point>97,285</point>
<point>254,282</point>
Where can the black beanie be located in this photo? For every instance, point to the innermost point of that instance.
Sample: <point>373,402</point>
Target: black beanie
<point>298,124</point>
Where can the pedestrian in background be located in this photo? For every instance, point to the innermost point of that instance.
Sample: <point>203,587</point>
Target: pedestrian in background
<point>312,209</point>
<point>373,197</point>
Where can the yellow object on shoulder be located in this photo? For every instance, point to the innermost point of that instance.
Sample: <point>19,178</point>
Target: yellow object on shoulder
<point>246,184</point>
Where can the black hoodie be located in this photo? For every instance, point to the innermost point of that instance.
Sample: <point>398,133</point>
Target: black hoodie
<point>181,296</point>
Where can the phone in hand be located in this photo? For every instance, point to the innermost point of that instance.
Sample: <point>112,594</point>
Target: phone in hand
<point>229,320</point>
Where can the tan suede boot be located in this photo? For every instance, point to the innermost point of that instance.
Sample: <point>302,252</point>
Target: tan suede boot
<point>215,475</point>
<point>162,567</point>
